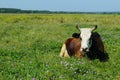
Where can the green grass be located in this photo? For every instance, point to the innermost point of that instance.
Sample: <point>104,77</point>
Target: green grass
<point>30,46</point>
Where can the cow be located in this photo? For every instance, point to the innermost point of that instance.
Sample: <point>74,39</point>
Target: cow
<point>86,43</point>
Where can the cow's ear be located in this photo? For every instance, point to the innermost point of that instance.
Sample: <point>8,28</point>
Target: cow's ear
<point>77,26</point>
<point>76,35</point>
<point>94,28</point>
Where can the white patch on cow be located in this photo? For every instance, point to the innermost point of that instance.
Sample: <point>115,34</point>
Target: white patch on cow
<point>85,39</point>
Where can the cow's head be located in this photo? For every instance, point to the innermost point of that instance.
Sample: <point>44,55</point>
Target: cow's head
<point>85,36</point>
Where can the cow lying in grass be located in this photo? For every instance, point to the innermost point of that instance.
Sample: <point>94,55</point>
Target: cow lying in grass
<point>86,43</point>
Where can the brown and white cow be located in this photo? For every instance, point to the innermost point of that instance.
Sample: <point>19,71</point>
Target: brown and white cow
<point>87,43</point>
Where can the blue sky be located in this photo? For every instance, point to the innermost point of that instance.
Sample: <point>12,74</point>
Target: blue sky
<point>63,5</point>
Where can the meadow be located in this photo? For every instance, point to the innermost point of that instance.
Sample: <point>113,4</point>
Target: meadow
<point>30,46</point>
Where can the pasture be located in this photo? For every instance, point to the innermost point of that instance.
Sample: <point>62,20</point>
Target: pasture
<point>30,46</point>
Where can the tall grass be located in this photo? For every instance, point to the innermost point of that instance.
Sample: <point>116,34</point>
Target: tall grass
<point>30,46</point>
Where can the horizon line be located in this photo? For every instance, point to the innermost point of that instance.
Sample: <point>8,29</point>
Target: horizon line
<point>65,11</point>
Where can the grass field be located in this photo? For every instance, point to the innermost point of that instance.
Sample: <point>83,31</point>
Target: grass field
<point>30,46</point>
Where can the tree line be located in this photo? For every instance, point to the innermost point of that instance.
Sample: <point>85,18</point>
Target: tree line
<point>14,10</point>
